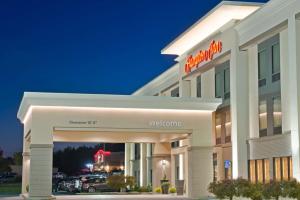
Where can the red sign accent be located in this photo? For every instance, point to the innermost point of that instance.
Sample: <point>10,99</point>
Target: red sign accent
<point>202,56</point>
<point>101,153</point>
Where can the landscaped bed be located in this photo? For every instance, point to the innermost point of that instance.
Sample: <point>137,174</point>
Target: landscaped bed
<point>10,188</point>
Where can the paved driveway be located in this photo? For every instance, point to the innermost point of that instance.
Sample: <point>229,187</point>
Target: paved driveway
<point>110,197</point>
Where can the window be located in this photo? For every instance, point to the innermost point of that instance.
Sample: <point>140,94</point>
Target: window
<point>262,67</point>
<point>252,173</point>
<point>227,127</point>
<point>175,144</point>
<point>218,82</point>
<point>269,64</point>
<point>175,92</point>
<point>137,151</point>
<point>223,125</point>
<point>263,118</point>
<point>218,128</point>
<point>215,166</point>
<point>283,168</point>
<point>222,81</point>
<point>199,86</point>
<point>275,62</point>
<point>226,83</point>
<point>277,129</point>
<point>259,170</point>
<point>270,122</point>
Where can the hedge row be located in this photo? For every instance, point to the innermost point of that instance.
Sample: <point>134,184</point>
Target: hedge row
<point>228,189</point>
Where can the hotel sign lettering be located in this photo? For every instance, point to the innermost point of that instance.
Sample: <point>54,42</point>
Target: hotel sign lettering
<point>203,55</point>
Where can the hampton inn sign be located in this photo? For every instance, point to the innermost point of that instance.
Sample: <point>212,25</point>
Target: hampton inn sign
<point>203,55</point>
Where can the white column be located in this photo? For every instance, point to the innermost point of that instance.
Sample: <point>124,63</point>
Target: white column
<point>193,88</point>
<point>184,88</point>
<point>149,163</point>
<point>127,159</point>
<point>40,178</point>
<point>25,165</point>
<point>239,101</point>
<point>200,171</point>
<point>143,164</point>
<point>253,92</point>
<point>131,170</point>
<point>173,169</point>
<point>208,84</point>
<point>294,90</point>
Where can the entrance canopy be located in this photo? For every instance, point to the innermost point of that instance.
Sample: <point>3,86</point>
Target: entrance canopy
<point>64,100</point>
<point>113,118</point>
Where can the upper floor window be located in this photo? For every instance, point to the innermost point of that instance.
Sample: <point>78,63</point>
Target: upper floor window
<point>199,86</point>
<point>269,62</point>
<point>218,82</point>
<point>262,67</point>
<point>175,92</point>
<point>275,62</point>
<point>226,83</point>
<point>222,81</point>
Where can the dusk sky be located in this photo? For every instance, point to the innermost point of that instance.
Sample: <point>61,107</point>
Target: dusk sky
<point>84,46</point>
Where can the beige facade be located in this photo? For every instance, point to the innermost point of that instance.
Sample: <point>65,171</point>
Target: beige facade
<point>221,125</point>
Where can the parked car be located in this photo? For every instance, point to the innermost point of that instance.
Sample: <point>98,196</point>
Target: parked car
<point>59,175</point>
<point>8,178</point>
<point>71,184</point>
<point>96,184</point>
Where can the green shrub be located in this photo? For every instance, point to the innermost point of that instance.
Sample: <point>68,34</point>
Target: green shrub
<point>241,186</point>
<point>223,189</point>
<point>116,182</point>
<point>291,189</point>
<point>130,181</point>
<point>273,189</point>
<point>157,190</point>
<point>254,191</point>
<point>172,190</point>
<point>143,189</point>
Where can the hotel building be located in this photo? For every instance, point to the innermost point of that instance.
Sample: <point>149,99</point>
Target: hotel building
<point>228,108</point>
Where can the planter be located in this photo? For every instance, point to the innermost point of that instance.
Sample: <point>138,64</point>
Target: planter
<point>179,184</point>
<point>164,186</point>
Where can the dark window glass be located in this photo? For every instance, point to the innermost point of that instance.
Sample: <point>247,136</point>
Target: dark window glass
<point>137,151</point>
<point>199,86</point>
<point>218,85</point>
<point>226,83</point>
<point>175,92</point>
<point>175,144</point>
<point>262,66</point>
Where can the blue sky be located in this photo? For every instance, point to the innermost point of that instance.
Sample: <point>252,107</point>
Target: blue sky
<point>79,46</point>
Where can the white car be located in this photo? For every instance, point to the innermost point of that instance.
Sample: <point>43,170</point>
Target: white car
<point>59,175</point>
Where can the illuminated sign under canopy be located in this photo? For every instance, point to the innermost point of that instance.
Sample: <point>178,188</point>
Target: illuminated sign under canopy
<point>203,55</point>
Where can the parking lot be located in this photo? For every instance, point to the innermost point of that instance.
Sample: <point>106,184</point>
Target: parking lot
<point>110,197</point>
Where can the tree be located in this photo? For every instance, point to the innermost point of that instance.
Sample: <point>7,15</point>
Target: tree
<point>4,163</point>
<point>18,158</point>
